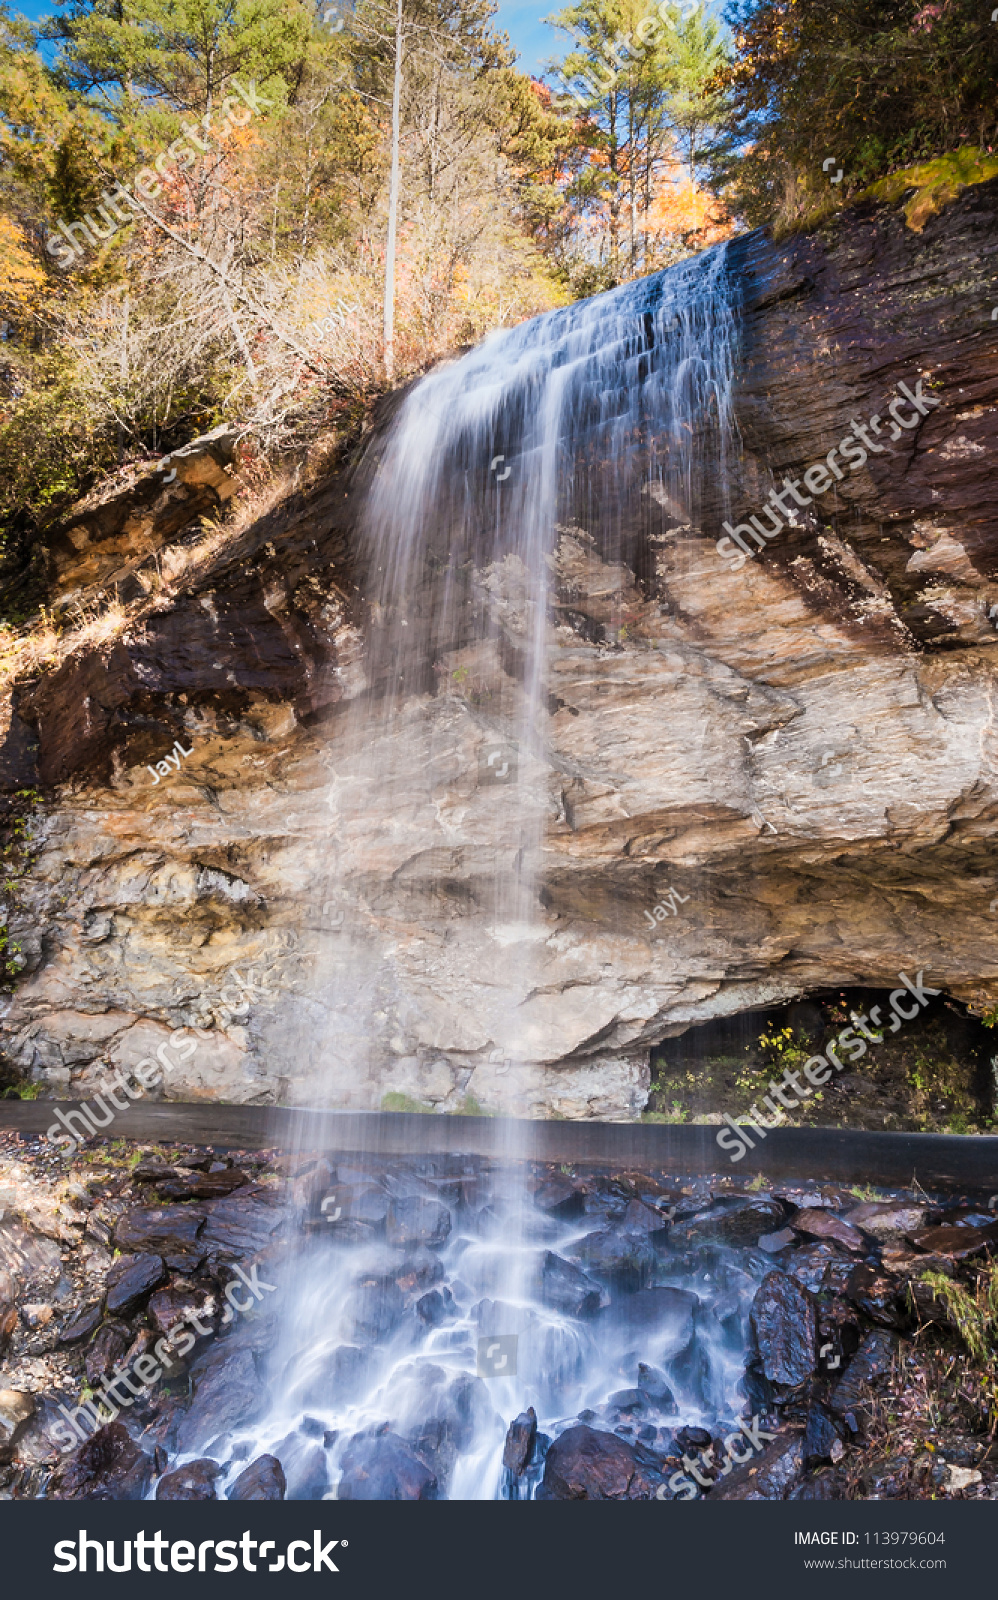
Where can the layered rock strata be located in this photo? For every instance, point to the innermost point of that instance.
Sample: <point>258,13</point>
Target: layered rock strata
<point>797,759</point>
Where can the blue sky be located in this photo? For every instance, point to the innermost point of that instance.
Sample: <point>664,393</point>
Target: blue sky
<point>536,42</point>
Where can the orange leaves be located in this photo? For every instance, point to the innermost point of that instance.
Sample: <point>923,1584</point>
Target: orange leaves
<point>21,282</point>
<point>693,214</point>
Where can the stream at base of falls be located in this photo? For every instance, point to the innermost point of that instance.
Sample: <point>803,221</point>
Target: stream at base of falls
<point>453,1328</point>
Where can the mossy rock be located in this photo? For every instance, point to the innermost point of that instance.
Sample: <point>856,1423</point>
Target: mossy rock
<point>935,184</point>
<point>395,1101</point>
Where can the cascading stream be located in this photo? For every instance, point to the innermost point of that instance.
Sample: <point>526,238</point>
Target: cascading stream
<point>442,754</point>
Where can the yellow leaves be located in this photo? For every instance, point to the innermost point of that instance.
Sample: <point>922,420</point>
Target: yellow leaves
<point>35,115</point>
<point>21,282</point>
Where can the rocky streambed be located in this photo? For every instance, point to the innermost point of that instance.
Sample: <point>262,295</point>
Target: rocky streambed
<point>462,1327</point>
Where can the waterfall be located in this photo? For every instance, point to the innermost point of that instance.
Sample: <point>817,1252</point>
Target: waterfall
<point>582,425</point>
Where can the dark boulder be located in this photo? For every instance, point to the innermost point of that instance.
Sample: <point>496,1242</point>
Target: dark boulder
<point>420,1270</point>
<point>560,1196</point>
<point>655,1389</point>
<point>201,1185</point>
<point>740,1220</point>
<point>783,1326</point>
<point>873,1358</point>
<point>879,1296</point>
<point>418,1221</point>
<point>263,1479</point>
<point>374,1308</point>
<point>195,1481</point>
<point>820,1223</point>
<point>168,1231</point>
<point>585,1464</point>
<point>769,1476</point>
<point>85,1323</point>
<point>955,1243</point>
<point>689,1439</point>
<point>821,1265</point>
<point>227,1393</point>
<point>432,1308</point>
<point>107,1466</point>
<point>625,1261</point>
<point>129,1281</point>
<point>243,1224</point>
<point>520,1440</point>
<point>820,1436</point>
<point>105,1353</point>
<point>178,1303</point>
<point>564,1288</point>
<point>384,1468</point>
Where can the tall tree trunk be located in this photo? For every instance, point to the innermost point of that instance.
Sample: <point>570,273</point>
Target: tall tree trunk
<point>648,161</point>
<point>612,154</point>
<point>123,375</point>
<point>393,205</point>
<point>633,124</point>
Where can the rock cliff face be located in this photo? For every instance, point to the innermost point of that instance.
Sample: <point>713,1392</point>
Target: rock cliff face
<point>796,757</point>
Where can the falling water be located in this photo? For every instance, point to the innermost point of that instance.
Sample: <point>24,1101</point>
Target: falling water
<point>567,426</point>
<point>586,423</point>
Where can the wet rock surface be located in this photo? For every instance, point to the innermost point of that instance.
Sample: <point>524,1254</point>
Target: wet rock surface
<point>107,1466</point>
<point>520,1441</point>
<point>263,1479</point>
<point>130,1280</point>
<point>385,1468</point>
<point>168,1231</point>
<point>418,1222</point>
<point>195,1481</point>
<point>583,1336</point>
<point>783,1322</point>
<point>583,1464</point>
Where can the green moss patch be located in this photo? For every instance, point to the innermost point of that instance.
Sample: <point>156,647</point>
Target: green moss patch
<point>933,184</point>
